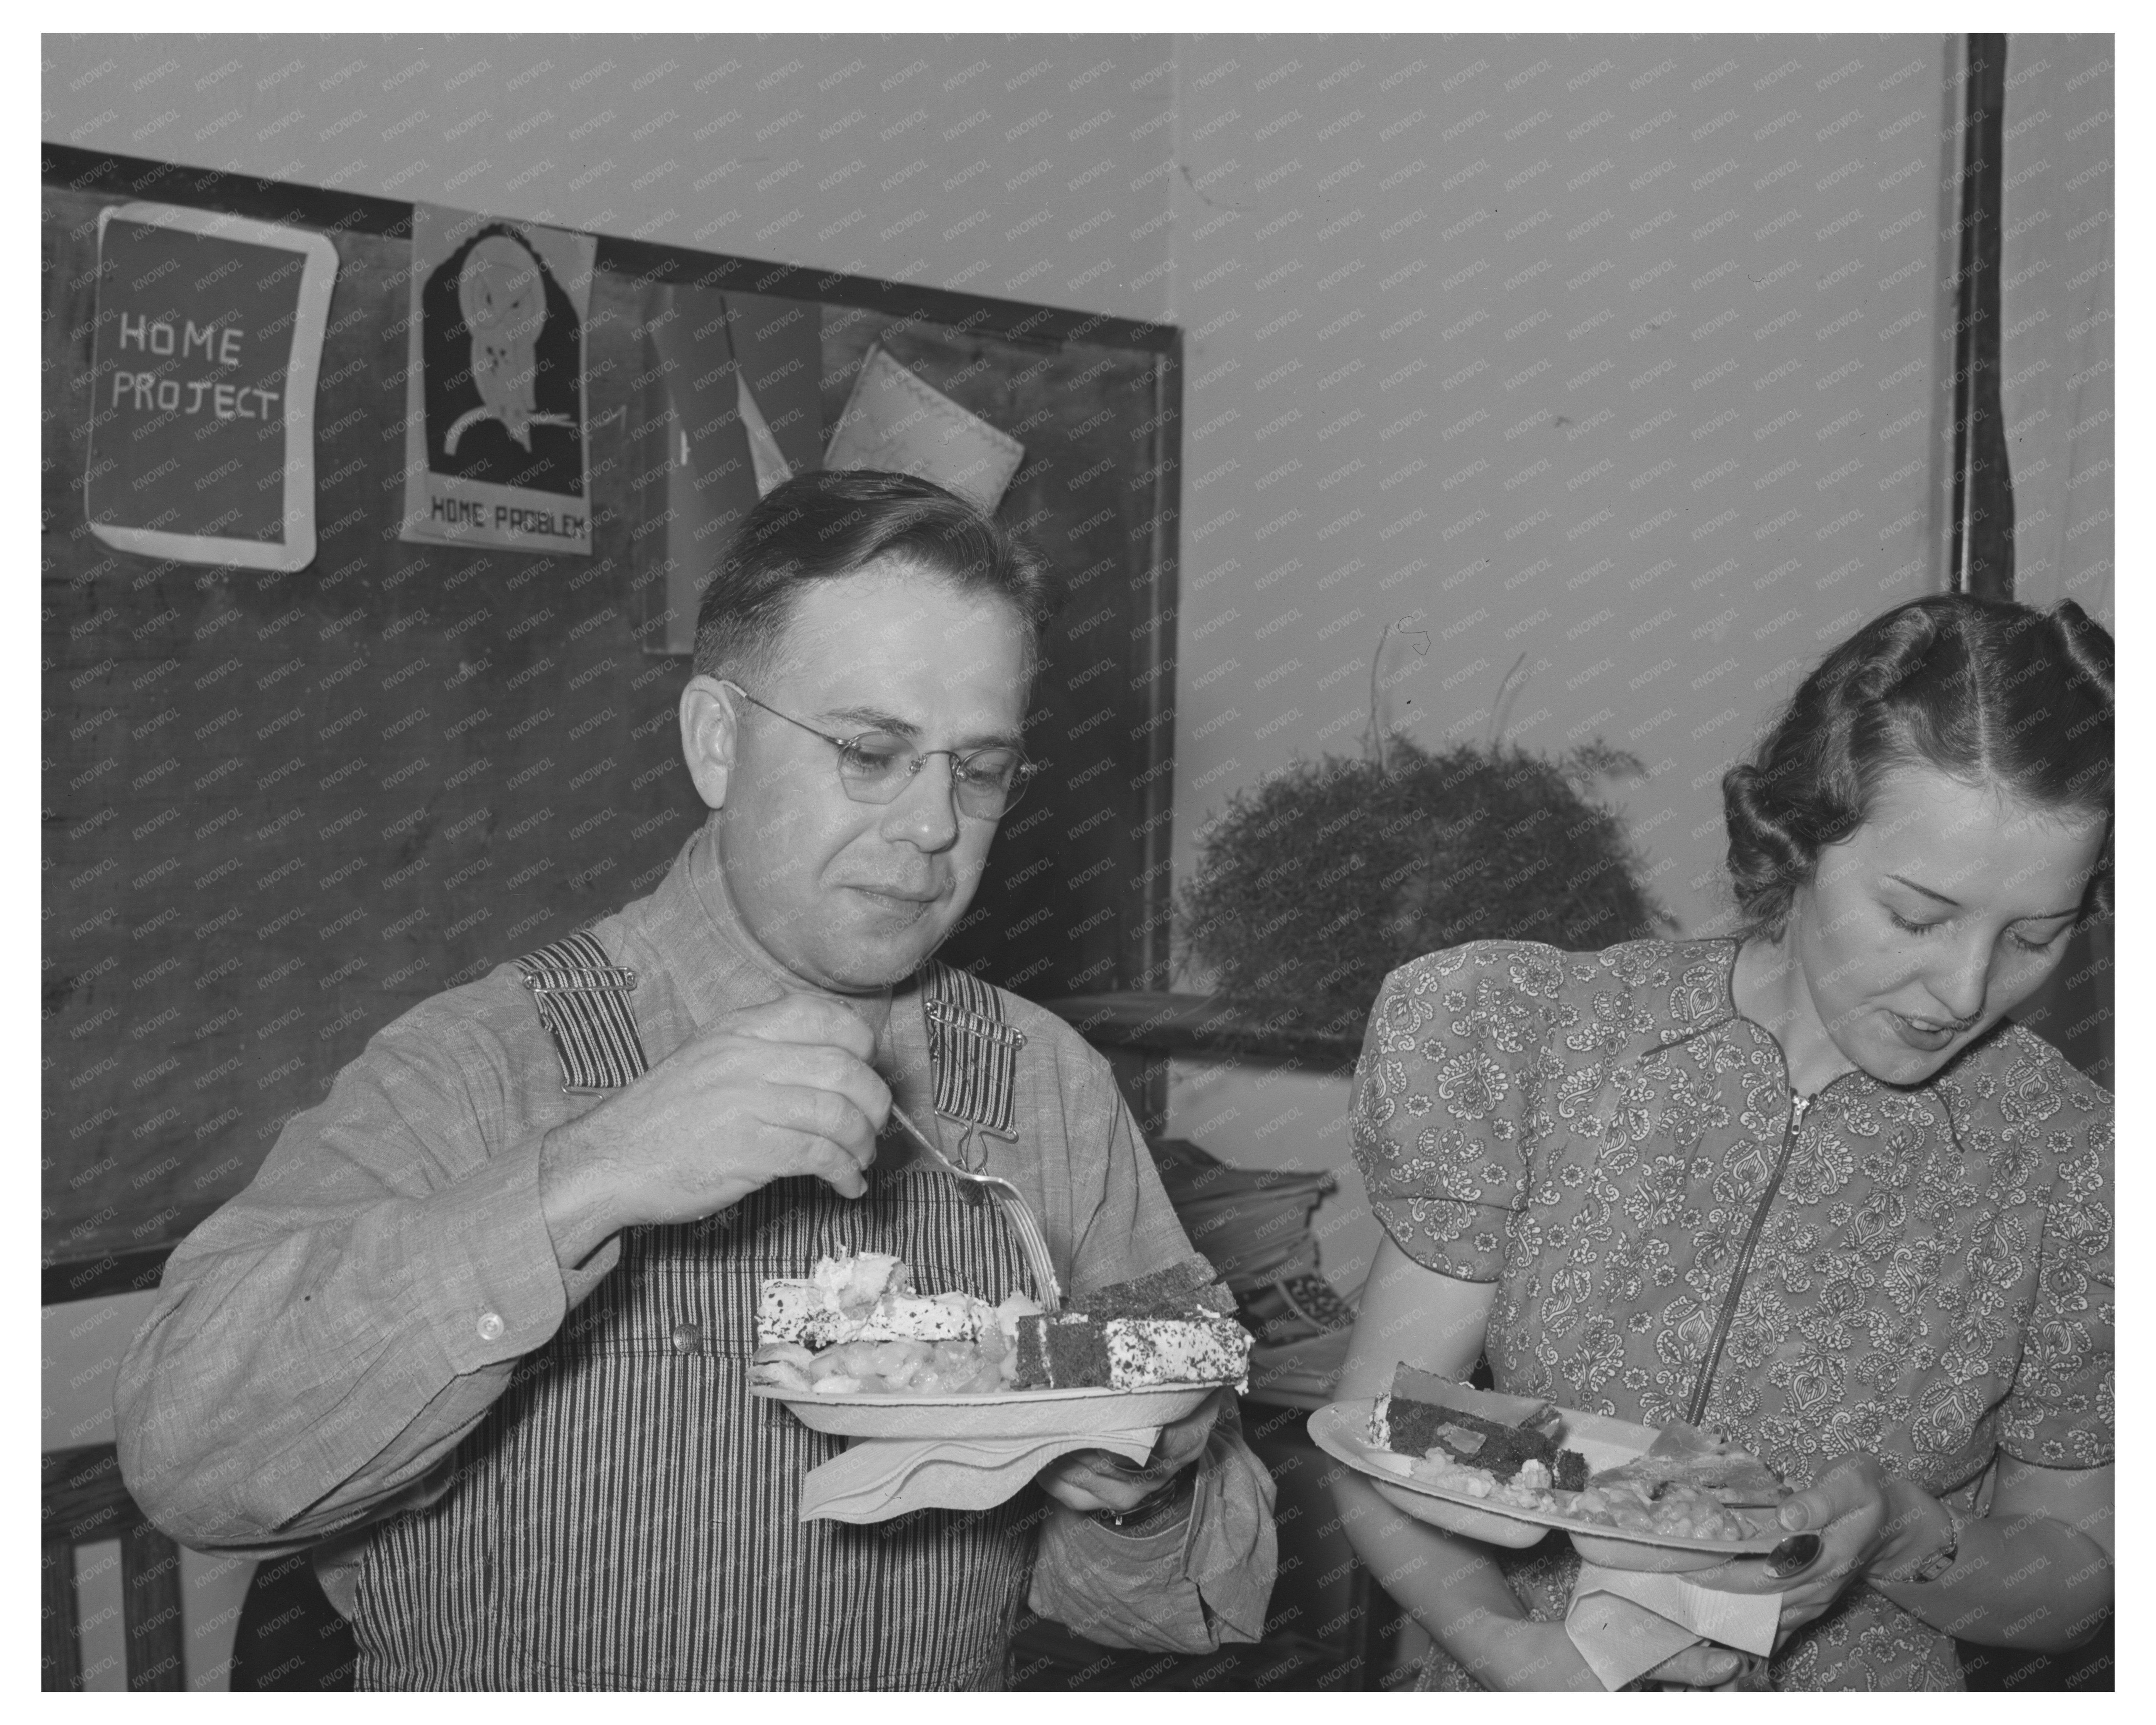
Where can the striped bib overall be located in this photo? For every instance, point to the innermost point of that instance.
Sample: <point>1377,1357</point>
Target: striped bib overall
<point>625,1517</point>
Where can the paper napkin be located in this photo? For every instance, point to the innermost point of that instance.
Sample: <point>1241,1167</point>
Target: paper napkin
<point>1626,1623</point>
<point>879,1478</point>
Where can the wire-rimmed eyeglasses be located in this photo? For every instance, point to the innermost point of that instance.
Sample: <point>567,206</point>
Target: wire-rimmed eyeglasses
<point>876,767</point>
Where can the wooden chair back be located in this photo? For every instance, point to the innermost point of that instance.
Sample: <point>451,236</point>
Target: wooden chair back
<point>84,1501</point>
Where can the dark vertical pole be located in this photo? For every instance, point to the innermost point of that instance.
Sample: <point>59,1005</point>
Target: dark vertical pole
<point>1156,810</point>
<point>1981,551</point>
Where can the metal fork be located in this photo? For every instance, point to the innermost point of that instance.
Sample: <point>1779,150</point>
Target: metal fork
<point>1014,1208</point>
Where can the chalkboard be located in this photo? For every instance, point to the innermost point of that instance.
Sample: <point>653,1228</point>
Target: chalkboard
<point>281,807</point>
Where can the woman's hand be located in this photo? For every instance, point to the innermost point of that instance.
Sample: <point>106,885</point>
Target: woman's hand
<point>1866,1519</point>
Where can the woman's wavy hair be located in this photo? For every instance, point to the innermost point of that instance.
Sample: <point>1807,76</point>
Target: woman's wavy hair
<point>1986,691</point>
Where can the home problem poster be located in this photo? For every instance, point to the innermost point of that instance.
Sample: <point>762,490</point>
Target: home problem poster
<point>494,428</point>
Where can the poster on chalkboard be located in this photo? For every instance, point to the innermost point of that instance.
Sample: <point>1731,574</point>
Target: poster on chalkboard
<point>898,421</point>
<point>493,392</point>
<point>208,339</point>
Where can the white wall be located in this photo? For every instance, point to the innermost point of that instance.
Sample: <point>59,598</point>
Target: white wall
<point>2056,374</point>
<point>1624,355</point>
<point>1030,167</point>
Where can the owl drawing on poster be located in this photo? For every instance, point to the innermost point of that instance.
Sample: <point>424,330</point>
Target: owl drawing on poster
<point>501,343</point>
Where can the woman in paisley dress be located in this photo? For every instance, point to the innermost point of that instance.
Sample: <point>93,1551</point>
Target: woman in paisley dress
<point>1807,1185</point>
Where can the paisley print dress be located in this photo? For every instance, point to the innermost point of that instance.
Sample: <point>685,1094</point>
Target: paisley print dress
<point>1922,1274</point>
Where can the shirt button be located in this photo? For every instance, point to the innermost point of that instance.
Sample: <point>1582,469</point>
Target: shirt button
<point>491,1327</point>
<point>686,1337</point>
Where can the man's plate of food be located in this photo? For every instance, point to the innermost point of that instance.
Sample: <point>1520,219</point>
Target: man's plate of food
<point>1507,1469</point>
<point>852,1349</point>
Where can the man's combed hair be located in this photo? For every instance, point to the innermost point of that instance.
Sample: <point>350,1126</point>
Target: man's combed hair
<point>1988,692</point>
<point>825,525</point>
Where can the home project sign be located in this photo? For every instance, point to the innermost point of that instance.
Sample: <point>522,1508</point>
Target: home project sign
<point>208,338</point>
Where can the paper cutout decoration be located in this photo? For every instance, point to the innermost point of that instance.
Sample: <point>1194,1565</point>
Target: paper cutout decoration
<point>495,424</point>
<point>764,453</point>
<point>209,339</point>
<point>896,421</point>
<point>735,369</point>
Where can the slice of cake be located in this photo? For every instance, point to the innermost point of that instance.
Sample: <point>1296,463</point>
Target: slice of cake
<point>1189,1289</point>
<point>1425,1414</point>
<point>1172,1326</point>
<point>1069,1352</point>
<point>866,1298</point>
<point>926,1317</point>
<point>1146,1351</point>
<point>785,1311</point>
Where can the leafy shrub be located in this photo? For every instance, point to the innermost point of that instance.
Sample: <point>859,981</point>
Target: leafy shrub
<point>1313,885</point>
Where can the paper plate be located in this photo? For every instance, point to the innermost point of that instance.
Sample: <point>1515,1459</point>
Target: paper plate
<point>1339,1430</point>
<point>1016,1413</point>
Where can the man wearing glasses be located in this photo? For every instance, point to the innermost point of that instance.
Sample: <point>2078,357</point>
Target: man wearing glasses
<point>480,1332</point>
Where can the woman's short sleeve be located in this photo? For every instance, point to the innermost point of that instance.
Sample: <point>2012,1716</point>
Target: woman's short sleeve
<point>1440,1094</point>
<point>2061,1412</point>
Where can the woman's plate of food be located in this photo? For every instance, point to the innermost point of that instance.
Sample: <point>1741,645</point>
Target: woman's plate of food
<point>1507,1469</point>
<point>852,1349</point>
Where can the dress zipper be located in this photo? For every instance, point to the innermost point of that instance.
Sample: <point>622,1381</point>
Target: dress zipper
<point>1798,1107</point>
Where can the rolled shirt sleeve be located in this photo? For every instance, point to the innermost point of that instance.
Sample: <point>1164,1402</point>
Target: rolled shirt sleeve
<point>1440,1092</point>
<point>326,1338</point>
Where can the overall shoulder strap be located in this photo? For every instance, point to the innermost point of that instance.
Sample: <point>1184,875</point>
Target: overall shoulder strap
<point>583,1000</point>
<point>972,1054</point>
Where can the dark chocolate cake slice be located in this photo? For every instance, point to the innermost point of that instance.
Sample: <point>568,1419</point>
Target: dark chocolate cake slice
<point>1068,1352</point>
<point>1189,1289</point>
<point>1176,1322</point>
<point>1475,1428</point>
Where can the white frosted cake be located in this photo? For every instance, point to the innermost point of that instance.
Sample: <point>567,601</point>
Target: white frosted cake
<point>864,1298</point>
<point>1145,1351</point>
<point>926,1318</point>
<point>786,1311</point>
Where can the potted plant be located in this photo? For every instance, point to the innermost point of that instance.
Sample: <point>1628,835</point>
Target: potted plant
<point>1313,885</point>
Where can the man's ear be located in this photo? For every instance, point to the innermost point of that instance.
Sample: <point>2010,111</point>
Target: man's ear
<point>710,731</point>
